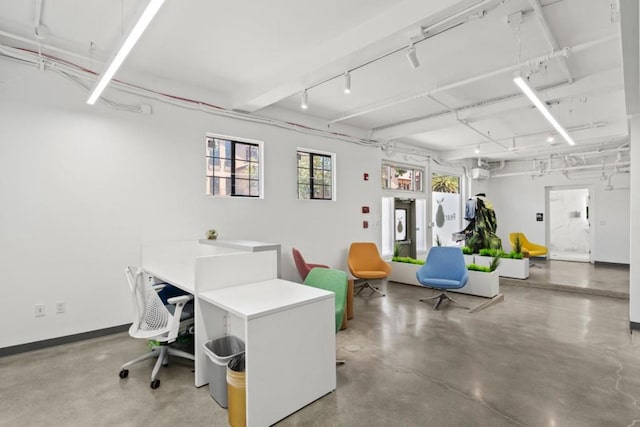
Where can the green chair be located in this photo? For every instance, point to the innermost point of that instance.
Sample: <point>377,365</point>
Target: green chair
<point>336,282</point>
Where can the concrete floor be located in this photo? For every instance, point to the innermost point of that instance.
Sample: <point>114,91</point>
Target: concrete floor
<point>596,279</point>
<point>539,358</point>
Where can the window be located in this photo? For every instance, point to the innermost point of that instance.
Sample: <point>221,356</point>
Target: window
<point>397,177</point>
<point>233,167</point>
<point>315,175</point>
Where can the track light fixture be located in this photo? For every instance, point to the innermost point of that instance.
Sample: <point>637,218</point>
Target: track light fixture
<point>413,57</point>
<point>524,87</point>
<point>303,102</point>
<point>347,82</point>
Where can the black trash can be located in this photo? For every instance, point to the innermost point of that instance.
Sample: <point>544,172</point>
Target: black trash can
<point>219,351</point>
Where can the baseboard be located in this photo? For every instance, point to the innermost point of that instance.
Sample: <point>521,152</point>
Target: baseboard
<point>38,345</point>
<point>611,264</point>
<point>634,326</point>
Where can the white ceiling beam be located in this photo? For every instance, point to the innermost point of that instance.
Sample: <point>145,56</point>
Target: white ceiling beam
<point>604,80</point>
<point>597,134</point>
<point>551,40</point>
<point>329,58</point>
<point>504,70</point>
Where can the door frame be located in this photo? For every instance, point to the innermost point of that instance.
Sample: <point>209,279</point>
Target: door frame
<point>592,214</point>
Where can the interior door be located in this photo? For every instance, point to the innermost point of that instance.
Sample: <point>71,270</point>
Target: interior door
<point>404,227</point>
<point>569,224</point>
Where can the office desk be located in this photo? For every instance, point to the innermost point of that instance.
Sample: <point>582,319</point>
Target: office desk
<point>196,268</point>
<point>289,340</point>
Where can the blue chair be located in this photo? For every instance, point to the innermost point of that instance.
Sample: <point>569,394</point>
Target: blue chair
<point>444,269</point>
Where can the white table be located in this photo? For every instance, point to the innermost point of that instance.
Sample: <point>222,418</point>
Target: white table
<point>195,268</point>
<point>289,336</point>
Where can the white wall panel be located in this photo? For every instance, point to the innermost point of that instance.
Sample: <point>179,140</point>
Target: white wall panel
<point>82,188</point>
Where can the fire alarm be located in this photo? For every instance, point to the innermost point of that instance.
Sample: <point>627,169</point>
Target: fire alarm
<point>366,177</point>
<point>365,224</point>
<point>365,209</point>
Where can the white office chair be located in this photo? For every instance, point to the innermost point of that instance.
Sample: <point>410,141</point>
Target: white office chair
<point>155,321</point>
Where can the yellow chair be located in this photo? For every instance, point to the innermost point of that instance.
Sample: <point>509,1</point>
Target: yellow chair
<point>366,263</point>
<point>528,249</point>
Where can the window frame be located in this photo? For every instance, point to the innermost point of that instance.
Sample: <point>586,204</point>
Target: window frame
<point>311,183</point>
<point>260,164</point>
<point>409,168</point>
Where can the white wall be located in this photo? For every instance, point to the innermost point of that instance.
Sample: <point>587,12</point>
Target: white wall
<point>634,273</point>
<point>82,188</point>
<point>517,199</point>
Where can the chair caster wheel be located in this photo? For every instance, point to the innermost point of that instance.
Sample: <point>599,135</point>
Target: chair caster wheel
<point>155,384</point>
<point>124,373</point>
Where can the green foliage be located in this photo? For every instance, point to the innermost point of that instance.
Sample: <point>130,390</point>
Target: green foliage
<point>500,253</point>
<point>495,262</point>
<point>445,184</point>
<point>407,260</point>
<point>466,250</point>
<point>517,245</point>
<point>396,249</point>
<point>476,267</point>
<point>487,252</point>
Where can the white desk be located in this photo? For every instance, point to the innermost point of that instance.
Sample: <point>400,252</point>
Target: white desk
<point>289,335</point>
<point>196,268</point>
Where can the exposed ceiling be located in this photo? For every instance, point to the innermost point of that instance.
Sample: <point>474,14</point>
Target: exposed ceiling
<point>259,56</point>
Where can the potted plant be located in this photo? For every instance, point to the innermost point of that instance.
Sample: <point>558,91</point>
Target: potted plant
<point>512,265</point>
<point>467,253</point>
<point>483,281</point>
<point>403,270</point>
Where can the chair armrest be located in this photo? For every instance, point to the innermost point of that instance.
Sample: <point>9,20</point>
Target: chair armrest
<point>181,298</point>
<point>174,324</point>
<point>317,265</point>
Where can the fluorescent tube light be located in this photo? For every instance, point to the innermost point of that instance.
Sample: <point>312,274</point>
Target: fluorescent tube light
<point>144,20</point>
<point>524,87</point>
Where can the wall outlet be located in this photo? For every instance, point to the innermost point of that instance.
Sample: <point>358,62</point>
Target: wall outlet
<point>39,310</point>
<point>61,307</point>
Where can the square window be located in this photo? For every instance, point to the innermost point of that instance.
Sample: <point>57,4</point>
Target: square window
<point>232,168</point>
<point>315,175</point>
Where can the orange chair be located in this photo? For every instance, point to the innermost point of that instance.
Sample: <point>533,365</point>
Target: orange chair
<point>528,249</point>
<point>366,263</point>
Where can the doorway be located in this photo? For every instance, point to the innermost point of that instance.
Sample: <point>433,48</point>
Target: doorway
<point>569,225</point>
<point>404,227</point>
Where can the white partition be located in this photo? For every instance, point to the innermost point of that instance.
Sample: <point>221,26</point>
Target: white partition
<point>195,268</point>
<point>175,262</point>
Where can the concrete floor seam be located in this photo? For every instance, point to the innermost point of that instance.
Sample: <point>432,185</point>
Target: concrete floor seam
<point>452,389</point>
<point>634,401</point>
